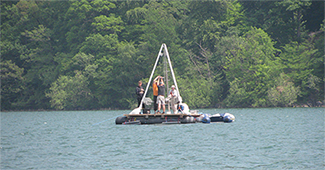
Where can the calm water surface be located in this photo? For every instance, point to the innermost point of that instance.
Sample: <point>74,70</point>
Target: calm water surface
<point>279,138</point>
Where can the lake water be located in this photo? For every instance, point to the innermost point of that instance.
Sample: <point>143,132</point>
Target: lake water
<point>277,138</point>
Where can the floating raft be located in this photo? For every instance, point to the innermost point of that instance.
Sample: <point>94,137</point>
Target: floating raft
<point>138,119</point>
<point>155,119</point>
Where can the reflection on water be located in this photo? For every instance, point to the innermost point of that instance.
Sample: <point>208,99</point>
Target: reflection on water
<point>278,138</point>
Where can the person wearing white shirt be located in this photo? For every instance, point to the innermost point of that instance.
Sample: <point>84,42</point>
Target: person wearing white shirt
<point>173,99</point>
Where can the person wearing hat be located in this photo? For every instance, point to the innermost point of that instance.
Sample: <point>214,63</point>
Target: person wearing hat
<point>161,94</point>
<point>173,99</point>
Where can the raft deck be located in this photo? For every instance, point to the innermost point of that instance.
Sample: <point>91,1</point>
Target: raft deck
<point>163,115</point>
<point>156,118</point>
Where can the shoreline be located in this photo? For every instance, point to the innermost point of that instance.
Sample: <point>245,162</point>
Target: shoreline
<point>103,109</point>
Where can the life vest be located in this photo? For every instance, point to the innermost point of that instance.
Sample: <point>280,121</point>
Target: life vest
<point>155,89</point>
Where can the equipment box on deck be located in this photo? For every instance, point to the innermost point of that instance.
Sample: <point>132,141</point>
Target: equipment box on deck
<point>146,111</point>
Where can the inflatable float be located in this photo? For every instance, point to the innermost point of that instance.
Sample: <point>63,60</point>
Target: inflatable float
<point>179,118</point>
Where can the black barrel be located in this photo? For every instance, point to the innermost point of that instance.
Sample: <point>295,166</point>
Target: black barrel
<point>120,120</point>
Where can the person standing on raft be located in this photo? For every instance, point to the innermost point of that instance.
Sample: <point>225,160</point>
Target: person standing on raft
<point>173,98</point>
<point>139,92</point>
<point>155,93</point>
<point>161,94</point>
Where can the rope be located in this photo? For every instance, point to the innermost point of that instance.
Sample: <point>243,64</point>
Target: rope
<point>105,120</point>
<point>172,71</point>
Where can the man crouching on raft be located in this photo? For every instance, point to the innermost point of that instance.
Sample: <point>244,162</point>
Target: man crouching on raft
<point>161,94</point>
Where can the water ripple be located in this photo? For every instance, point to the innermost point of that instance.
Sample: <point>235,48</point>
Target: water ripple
<point>280,138</point>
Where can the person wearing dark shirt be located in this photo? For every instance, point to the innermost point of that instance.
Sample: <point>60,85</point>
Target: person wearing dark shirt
<point>139,93</point>
<point>161,95</point>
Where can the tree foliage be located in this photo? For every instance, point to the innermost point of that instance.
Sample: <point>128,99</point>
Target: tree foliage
<point>11,83</point>
<point>250,67</point>
<point>70,92</point>
<point>284,93</point>
<point>91,54</point>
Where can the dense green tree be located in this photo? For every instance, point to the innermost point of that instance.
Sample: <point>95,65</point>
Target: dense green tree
<point>250,67</point>
<point>38,55</point>
<point>283,20</point>
<point>195,92</point>
<point>239,95</point>
<point>116,78</point>
<point>207,21</point>
<point>296,10</point>
<point>315,90</point>
<point>299,62</point>
<point>10,32</point>
<point>70,92</point>
<point>284,93</point>
<point>314,15</point>
<point>11,83</point>
<point>204,74</point>
<point>85,18</point>
<point>319,66</point>
<point>91,54</point>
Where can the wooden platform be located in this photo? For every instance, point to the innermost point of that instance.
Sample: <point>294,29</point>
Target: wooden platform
<point>156,118</point>
<point>181,115</point>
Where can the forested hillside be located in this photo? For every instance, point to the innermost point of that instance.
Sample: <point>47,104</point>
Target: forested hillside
<point>91,54</point>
